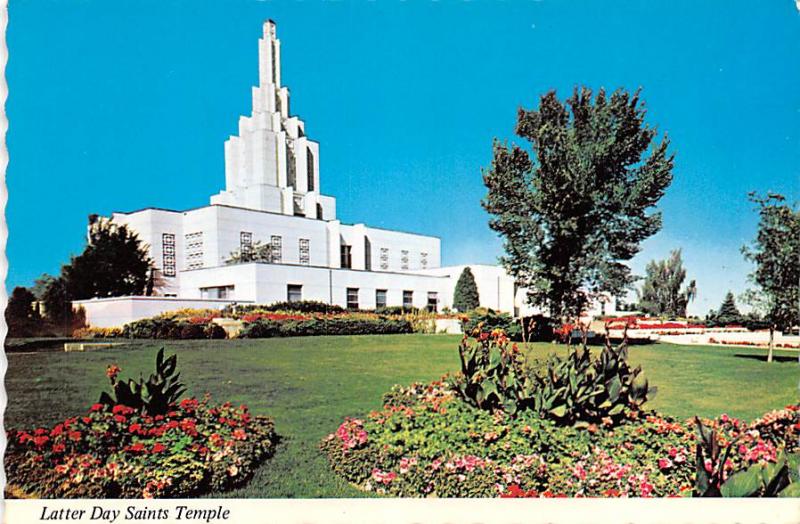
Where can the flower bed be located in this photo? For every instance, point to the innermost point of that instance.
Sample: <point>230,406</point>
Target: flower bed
<point>428,442</point>
<point>117,452</point>
<point>780,345</point>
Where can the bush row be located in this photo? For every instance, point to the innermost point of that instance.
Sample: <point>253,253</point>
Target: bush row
<point>265,328</point>
<point>171,329</point>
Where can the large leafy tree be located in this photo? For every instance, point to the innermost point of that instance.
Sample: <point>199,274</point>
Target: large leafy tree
<point>662,292</point>
<point>576,208</point>
<point>465,295</point>
<point>114,263</point>
<point>776,255</point>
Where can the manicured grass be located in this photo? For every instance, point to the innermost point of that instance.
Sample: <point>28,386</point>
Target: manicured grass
<point>310,384</point>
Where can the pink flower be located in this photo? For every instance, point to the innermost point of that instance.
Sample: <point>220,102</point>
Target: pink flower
<point>664,463</point>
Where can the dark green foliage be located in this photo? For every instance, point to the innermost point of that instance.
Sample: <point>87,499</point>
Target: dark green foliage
<point>776,252</point>
<point>114,263</point>
<point>57,304</point>
<point>727,314</point>
<point>572,213</point>
<point>465,295</point>
<point>581,390</point>
<point>153,396</point>
<point>302,306</point>
<point>576,390</point>
<point>214,331</point>
<point>493,374</point>
<point>396,310</point>
<point>171,329</point>
<point>487,320</point>
<point>661,293</point>
<point>265,328</point>
<point>22,315</point>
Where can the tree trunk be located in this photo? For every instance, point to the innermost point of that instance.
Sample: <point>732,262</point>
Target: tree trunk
<point>771,342</point>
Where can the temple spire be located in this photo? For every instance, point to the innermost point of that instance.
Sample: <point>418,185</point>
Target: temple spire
<point>269,57</point>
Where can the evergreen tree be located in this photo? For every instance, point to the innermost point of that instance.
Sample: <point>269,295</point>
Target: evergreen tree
<point>661,292</point>
<point>465,296</point>
<point>20,305</point>
<point>572,213</point>
<point>728,312</point>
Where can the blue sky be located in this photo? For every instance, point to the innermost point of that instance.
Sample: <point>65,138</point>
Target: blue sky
<point>115,106</point>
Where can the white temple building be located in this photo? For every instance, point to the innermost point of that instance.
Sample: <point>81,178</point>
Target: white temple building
<point>273,196</point>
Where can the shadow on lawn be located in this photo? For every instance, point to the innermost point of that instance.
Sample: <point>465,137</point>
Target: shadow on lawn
<point>763,358</point>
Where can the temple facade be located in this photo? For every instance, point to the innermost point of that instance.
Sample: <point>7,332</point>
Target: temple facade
<point>271,235</point>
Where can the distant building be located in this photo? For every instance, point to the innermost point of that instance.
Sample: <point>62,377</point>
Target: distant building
<point>273,198</point>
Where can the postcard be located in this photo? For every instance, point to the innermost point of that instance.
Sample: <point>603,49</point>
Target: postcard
<point>394,261</point>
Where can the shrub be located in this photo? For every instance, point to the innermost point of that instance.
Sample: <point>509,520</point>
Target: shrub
<point>97,332</point>
<point>396,310</point>
<point>167,328</point>
<point>117,452</point>
<point>302,306</point>
<point>325,326</point>
<point>487,320</point>
<point>214,331</point>
<point>465,295</point>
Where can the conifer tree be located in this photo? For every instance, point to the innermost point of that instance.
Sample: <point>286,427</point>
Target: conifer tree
<point>728,312</point>
<point>465,296</point>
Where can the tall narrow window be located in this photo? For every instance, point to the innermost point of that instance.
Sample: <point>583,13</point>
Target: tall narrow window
<point>294,293</point>
<point>304,251</point>
<point>310,168</point>
<point>384,258</point>
<point>319,212</point>
<point>367,254</point>
<point>168,254</point>
<point>275,243</point>
<point>433,301</point>
<point>193,249</point>
<point>380,298</point>
<point>352,298</point>
<point>246,245</point>
<point>347,258</point>
<point>404,259</point>
<point>408,299</point>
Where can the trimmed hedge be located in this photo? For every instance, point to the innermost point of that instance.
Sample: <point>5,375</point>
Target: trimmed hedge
<point>302,306</point>
<point>325,326</point>
<point>171,329</point>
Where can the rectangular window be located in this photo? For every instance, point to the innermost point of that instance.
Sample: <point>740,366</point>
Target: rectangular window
<point>367,254</point>
<point>294,293</point>
<point>404,259</point>
<point>408,299</point>
<point>217,292</point>
<point>310,168</point>
<point>384,258</point>
<point>352,298</point>
<point>347,258</point>
<point>304,251</point>
<point>380,298</point>
<point>423,260</point>
<point>246,245</point>
<point>299,210</point>
<point>433,301</point>
<point>168,254</point>
<point>194,250</point>
<point>275,243</point>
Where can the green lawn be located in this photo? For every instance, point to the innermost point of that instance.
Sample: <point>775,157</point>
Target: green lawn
<point>310,384</point>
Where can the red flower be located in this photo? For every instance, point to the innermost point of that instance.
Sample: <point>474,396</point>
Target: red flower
<point>121,419</point>
<point>135,428</point>
<point>112,371</point>
<point>86,420</point>
<point>75,435</point>
<point>158,447</point>
<point>239,434</point>
<point>138,447</point>
<point>59,448</point>
<point>40,441</point>
<point>189,404</point>
<point>120,409</point>
<point>97,407</point>
<point>57,430</point>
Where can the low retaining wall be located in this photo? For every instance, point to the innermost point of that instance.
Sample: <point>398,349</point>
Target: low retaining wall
<point>118,311</point>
